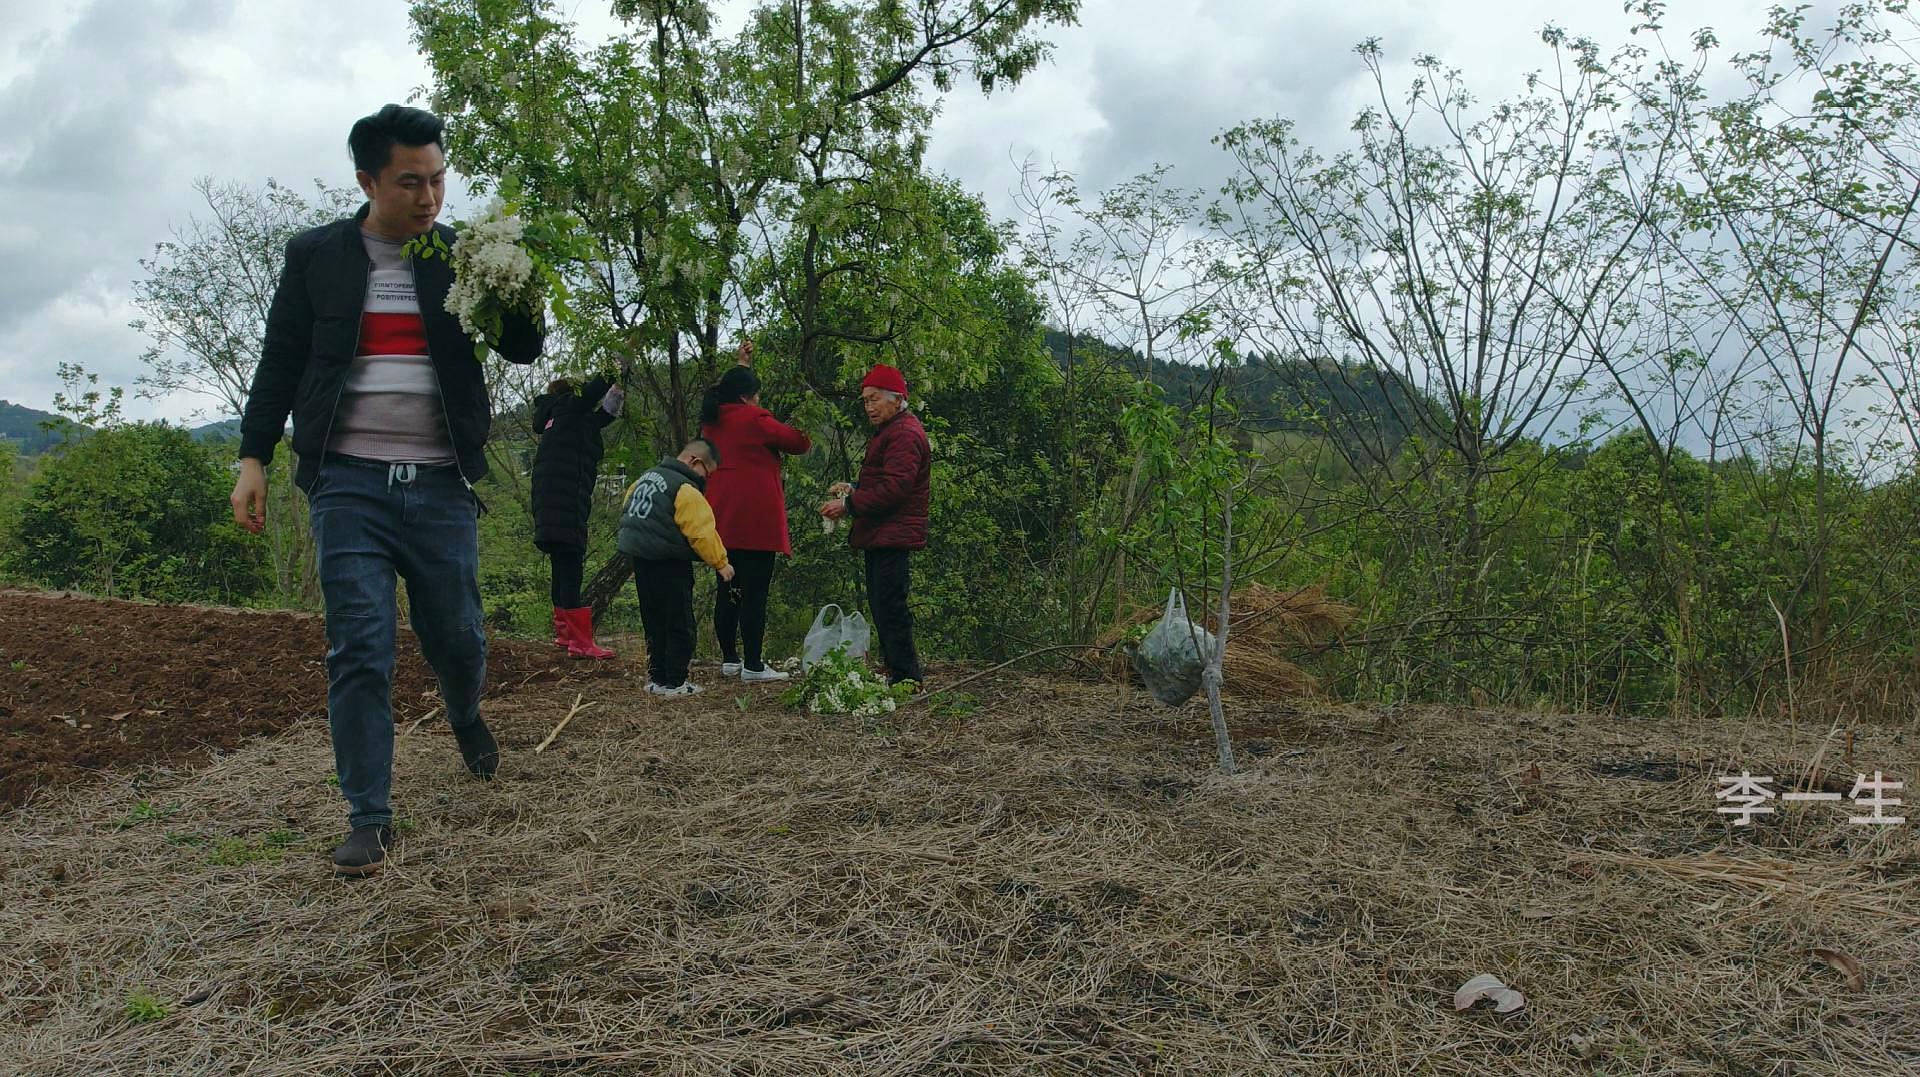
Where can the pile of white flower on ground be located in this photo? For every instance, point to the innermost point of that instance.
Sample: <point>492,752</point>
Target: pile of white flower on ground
<point>838,684</point>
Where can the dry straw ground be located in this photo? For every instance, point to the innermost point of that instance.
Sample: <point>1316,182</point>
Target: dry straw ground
<point>1044,885</point>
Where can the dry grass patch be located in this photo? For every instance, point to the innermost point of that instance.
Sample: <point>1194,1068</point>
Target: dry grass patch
<point>1042,886</point>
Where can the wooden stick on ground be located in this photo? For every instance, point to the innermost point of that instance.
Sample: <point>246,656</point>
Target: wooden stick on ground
<point>422,720</point>
<point>577,708</point>
<point>925,696</point>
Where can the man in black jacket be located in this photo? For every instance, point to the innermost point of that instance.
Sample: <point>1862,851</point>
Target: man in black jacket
<point>390,417</point>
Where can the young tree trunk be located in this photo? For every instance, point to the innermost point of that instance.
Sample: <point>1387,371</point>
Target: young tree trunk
<point>606,583</point>
<point>1216,669</point>
<point>1120,557</point>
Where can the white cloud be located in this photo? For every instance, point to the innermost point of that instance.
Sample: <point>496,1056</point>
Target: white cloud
<point>109,111</point>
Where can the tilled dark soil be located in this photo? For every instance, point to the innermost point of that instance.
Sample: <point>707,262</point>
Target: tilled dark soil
<point>87,684</point>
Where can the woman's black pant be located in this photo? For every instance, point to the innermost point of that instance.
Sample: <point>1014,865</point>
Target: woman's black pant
<point>569,562</point>
<point>740,607</point>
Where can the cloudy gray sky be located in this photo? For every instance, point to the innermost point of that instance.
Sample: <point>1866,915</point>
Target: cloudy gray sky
<point>109,109</point>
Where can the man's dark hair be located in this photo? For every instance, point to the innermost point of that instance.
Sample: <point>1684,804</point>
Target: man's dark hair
<point>704,449</point>
<point>373,137</point>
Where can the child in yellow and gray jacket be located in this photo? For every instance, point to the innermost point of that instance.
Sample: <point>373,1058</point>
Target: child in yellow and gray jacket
<point>665,527</point>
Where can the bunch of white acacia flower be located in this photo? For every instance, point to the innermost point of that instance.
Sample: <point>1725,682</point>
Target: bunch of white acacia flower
<point>492,272</point>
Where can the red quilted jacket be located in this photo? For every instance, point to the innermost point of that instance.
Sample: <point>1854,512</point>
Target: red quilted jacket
<point>890,500</point>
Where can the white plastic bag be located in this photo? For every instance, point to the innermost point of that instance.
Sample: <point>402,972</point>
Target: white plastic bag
<point>613,400</point>
<point>846,628</point>
<point>1172,658</point>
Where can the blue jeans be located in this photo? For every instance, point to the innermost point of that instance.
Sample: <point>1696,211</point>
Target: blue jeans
<point>372,521</point>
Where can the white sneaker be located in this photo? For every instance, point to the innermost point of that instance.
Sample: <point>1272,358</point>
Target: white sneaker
<point>729,669</point>
<point>764,673</point>
<point>687,689</point>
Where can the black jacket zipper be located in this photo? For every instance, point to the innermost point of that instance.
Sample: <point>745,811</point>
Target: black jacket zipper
<point>359,327</point>
<point>413,270</point>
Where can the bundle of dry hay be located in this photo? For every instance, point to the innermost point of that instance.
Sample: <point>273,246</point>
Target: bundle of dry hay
<point>683,887</point>
<point>1265,623</point>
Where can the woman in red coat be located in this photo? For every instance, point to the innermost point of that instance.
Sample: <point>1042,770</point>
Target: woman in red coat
<point>749,509</point>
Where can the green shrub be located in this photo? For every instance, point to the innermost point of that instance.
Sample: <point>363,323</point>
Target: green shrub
<point>138,510</point>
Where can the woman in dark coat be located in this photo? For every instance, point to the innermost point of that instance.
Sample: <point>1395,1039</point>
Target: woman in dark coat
<point>566,466</point>
<point>749,510</point>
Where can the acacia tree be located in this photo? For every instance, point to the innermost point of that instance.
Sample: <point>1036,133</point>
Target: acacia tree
<point>203,304</point>
<point>205,296</point>
<point>1065,270</point>
<point>858,243</point>
<point>1801,237</point>
<point>774,178</point>
<point>1473,256</point>
<point>695,161</point>
<point>1138,262</point>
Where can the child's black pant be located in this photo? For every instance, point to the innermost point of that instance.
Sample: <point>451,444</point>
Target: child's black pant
<point>666,613</point>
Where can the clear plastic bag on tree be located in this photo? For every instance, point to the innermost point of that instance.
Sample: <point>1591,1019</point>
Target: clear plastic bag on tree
<point>849,629</point>
<point>1173,656</point>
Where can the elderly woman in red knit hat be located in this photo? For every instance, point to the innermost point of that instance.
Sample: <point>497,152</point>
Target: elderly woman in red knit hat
<point>888,506</point>
<point>749,510</point>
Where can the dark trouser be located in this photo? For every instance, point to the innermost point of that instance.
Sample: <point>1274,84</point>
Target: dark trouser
<point>568,564</point>
<point>372,521</point>
<point>740,607</point>
<point>887,582</point>
<point>666,612</point>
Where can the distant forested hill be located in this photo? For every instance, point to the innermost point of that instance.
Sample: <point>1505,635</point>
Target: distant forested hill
<point>26,428</point>
<point>1316,395</point>
<point>33,431</point>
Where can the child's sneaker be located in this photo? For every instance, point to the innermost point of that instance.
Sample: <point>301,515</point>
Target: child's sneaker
<point>764,673</point>
<point>729,669</point>
<point>687,689</point>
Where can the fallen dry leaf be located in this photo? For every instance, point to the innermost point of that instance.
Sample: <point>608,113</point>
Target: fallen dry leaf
<point>1845,965</point>
<point>1533,776</point>
<point>118,717</point>
<point>1504,998</point>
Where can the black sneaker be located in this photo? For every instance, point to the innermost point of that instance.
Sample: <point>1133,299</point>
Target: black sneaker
<point>480,751</point>
<point>365,850</point>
